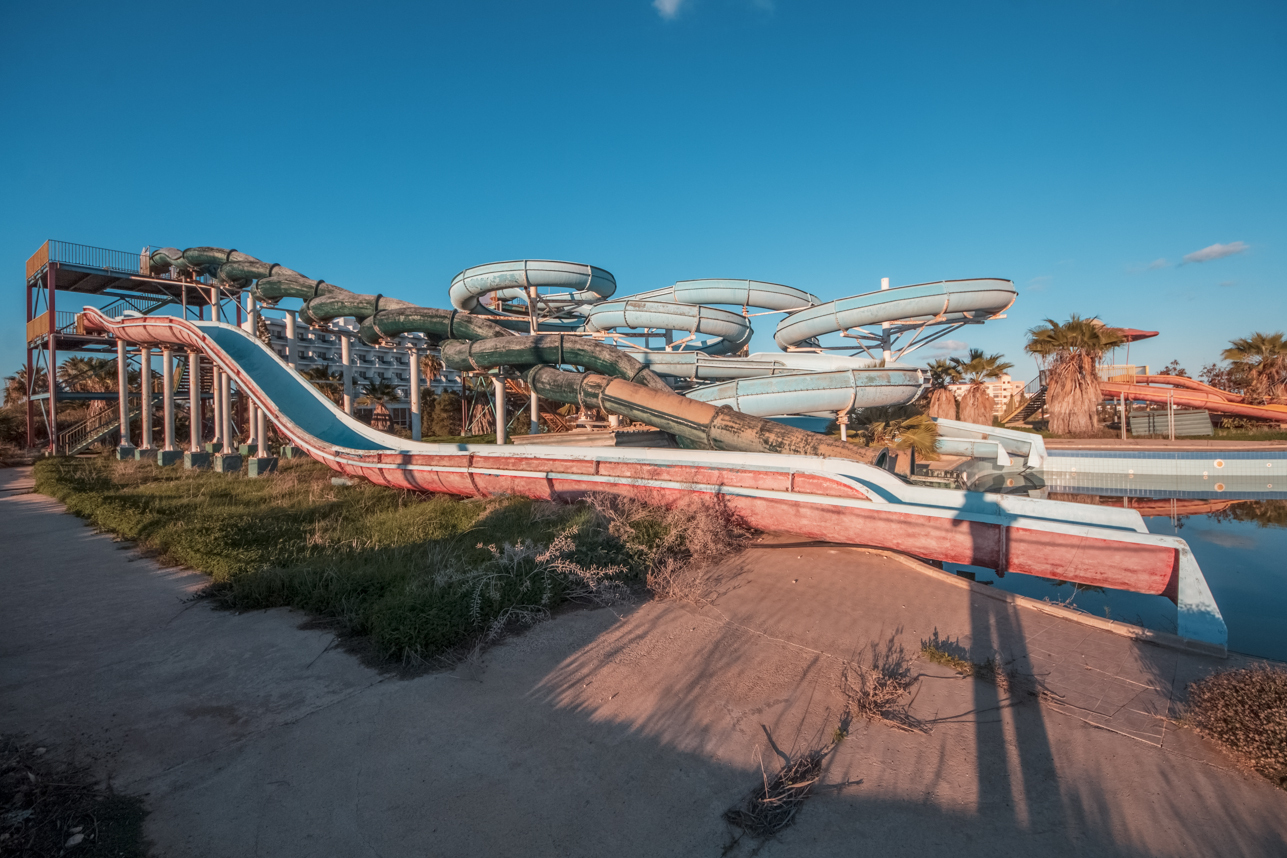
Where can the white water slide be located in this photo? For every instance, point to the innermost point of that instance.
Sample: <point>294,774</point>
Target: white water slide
<point>693,331</point>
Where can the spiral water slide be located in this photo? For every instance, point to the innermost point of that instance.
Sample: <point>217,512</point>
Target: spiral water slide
<point>771,476</point>
<point>701,334</point>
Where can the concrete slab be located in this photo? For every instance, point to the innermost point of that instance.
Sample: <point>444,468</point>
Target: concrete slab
<point>196,460</point>
<point>625,731</point>
<point>261,465</point>
<point>226,463</point>
<point>165,458</point>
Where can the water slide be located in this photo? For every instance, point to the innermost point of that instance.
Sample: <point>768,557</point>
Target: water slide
<point>1189,393</point>
<point>687,332</point>
<point>773,476</point>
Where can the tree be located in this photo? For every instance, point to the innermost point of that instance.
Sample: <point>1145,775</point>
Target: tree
<point>331,384</point>
<point>1070,353</point>
<point>901,427</point>
<point>1263,359</point>
<point>15,386</point>
<point>431,366</point>
<point>446,415</point>
<point>376,394</point>
<point>1174,368</point>
<point>977,405</point>
<point>89,375</point>
<point>942,402</point>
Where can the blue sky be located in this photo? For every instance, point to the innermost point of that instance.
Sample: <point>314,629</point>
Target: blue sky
<point>1081,150</point>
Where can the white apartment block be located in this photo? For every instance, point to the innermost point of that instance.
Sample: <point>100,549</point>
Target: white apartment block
<point>371,364</point>
<point>1000,390</point>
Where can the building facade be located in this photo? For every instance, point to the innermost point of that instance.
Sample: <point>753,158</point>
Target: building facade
<point>1000,390</point>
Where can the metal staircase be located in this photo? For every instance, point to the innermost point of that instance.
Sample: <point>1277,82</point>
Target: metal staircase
<point>142,306</point>
<point>1031,401</point>
<point>93,429</point>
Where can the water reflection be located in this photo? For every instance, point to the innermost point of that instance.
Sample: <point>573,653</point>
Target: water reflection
<point>1240,543</point>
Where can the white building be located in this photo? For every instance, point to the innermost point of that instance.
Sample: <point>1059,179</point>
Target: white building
<point>1000,390</point>
<point>370,364</point>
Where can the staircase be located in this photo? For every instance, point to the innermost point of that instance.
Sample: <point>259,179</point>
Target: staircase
<point>91,430</point>
<point>142,306</point>
<point>1033,400</point>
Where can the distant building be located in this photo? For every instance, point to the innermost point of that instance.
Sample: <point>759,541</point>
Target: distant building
<point>1000,390</point>
<point>371,364</point>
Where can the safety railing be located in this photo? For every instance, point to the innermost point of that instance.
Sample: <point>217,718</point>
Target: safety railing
<point>65,322</point>
<point>84,256</point>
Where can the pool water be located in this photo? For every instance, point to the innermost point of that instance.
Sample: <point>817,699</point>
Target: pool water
<point>1241,545</point>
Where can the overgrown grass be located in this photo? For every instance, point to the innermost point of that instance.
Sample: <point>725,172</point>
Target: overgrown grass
<point>1246,712</point>
<point>417,574</point>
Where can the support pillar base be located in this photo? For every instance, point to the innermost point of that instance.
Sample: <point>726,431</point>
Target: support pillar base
<point>227,463</point>
<point>196,461</point>
<point>290,451</point>
<point>147,453</point>
<point>258,466</point>
<point>248,449</point>
<point>214,446</point>
<point>165,458</point>
<point>125,452</point>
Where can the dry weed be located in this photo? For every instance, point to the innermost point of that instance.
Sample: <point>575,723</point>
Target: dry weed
<point>874,690</point>
<point>1246,712</point>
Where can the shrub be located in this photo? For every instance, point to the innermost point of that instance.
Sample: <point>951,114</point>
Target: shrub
<point>1246,712</point>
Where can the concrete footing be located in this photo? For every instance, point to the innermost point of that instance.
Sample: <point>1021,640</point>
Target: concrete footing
<point>257,466</point>
<point>248,449</point>
<point>290,451</point>
<point>227,463</point>
<point>141,453</point>
<point>125,452</point>
<point>214,447</point>
<point>165,458</point>
<point>200,461</point>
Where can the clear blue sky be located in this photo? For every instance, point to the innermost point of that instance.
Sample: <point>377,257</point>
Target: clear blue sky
<point>1081,150</point>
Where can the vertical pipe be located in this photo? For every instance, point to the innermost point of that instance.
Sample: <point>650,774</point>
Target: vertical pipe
<point>252,410</point>
<point>261,432</point>
<point>1170,414</point>
<point>225,408</point>
<point>194,402</point>
<point>346,358</point>
<point>123,391</point>
<point>413,356</point>
<point>31,368</point>
<point>501,417</point>
<point>167,395</point>
<point>843,420</point>
<point>885,345</point>
<point>216,406</point>
<point>145,397</point>
<point>1123,415</point>
<point>51,279</point>
<point>290,338</point>
<point>214,303</point>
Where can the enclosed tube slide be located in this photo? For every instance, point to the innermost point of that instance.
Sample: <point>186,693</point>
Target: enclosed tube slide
<point>814,495</point>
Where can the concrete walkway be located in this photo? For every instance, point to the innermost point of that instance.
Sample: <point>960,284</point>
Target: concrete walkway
<point>605,732</point>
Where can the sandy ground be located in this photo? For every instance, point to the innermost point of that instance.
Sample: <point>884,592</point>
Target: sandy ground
<point>621,731</point>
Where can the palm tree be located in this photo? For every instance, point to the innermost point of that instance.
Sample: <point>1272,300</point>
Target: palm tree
<point>976,404</point>
<point>15,386</point>
<point>1263,359</point>
<point>89,375</point>
<point>331,384</point>
<point>377,393</point>
<point>1070,354</point>
<point>901,427</point>
<point>431,366</point>
<point>942,402</point>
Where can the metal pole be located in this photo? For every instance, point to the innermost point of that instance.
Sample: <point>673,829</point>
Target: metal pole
<point>843,420</point>
<point>1170,414</point>
<point>252,410</point>
<point>534,408</point>
<point>290,338</point>
<point>1123,415</point>
<point>346,359</point>
<point>167,395</point>
<point>52,280</point>
<point>261,432</point>
<point>499,383</point>
<point>194,402</point>
<point>31,368</point>
<point>413,355</point>
<point>225,408</point>
<point>145,396</point>
<point>885,346</point>
<point>216,406</point>
<point>123,390</point>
